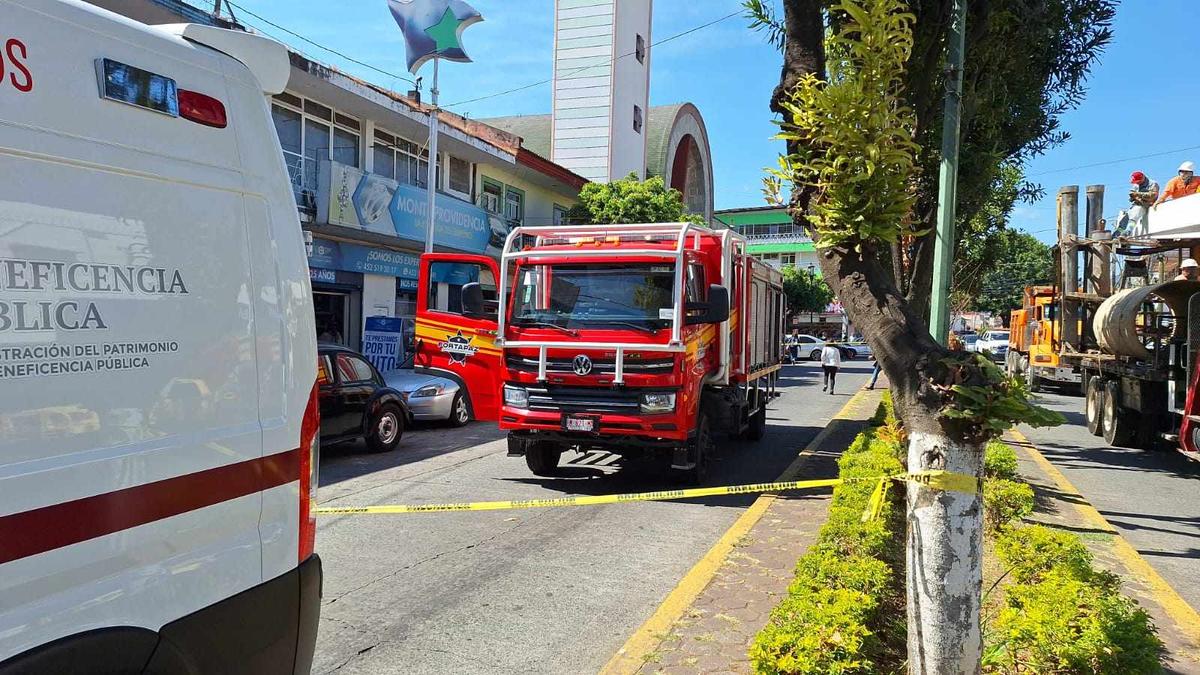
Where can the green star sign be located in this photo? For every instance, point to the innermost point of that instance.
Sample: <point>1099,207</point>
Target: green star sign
<point>445,32</point>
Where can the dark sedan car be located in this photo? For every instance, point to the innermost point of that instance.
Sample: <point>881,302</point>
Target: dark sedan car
<point>356,402</point>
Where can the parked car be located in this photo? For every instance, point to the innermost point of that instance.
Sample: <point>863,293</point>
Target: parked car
<point>356,402</point>
<point>808,346</point>
<point>853,350</point>
<point>431,398</point>
<point>970,341</point>
<point>995,343</point>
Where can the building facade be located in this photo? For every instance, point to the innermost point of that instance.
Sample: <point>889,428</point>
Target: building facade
<point>358,161</point>
<point>771,236</point>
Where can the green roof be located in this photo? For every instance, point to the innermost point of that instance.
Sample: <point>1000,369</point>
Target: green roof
<point>795,247</point>
<point>753,216</point>
<point>659,121</point>
<point>534,130</point>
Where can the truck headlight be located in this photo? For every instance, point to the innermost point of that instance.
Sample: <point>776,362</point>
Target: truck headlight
<point>431,390</point>
<point>516,397</point>
<point>658,402</point>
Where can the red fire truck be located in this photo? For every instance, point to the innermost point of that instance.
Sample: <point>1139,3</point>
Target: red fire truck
<point>632,339</point>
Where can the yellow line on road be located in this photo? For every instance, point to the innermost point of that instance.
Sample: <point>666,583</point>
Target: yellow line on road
<point>631,656</point>
<point>1184,615</point>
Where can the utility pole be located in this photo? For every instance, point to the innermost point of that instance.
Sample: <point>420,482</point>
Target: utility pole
<point>943,249</point>
<point>431,177</point>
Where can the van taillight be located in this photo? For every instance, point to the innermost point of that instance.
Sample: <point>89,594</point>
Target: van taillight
<point>310,455</point>
<point>202,109</point>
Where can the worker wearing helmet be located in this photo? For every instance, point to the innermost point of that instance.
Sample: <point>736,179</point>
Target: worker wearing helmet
<point>1182,185</point>
<point>1188,270</point>
<point>1143,192</point>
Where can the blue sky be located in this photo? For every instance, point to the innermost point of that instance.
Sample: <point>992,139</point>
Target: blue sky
<point>1144,96</point>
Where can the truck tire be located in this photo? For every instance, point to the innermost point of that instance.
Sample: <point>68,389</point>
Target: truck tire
<point>1118,424</point>
<point>1032,382</point>
<point>700,448</point>
<point>1093,405</point>
<point>757,426</point>
<point>542,458</point>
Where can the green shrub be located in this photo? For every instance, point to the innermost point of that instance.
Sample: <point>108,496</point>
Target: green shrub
<point>999,461</point>
<point>1064,624</point>
<point>817,633</point>
<point>827,623</point>
<point>1005,501</point>
<point>1031,552</point>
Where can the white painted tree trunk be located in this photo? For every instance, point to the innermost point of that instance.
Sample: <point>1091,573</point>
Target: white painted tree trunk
<point>945,561</point>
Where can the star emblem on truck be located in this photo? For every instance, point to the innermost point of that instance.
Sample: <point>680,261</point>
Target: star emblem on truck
<point>458,348</point>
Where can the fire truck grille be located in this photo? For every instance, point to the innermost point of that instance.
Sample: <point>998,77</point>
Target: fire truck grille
<point>584,399</point>
<point>655,366</point>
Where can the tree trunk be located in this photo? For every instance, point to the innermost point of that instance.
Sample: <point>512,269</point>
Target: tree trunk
<point>944,560</point>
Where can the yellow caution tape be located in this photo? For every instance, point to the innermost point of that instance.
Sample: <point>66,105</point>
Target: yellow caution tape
<point>938,480</point>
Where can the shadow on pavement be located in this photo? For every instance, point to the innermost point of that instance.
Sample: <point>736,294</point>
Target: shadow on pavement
<point>345,461</point>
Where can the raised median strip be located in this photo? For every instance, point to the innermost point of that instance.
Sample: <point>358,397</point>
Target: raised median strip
<point>711,616</point>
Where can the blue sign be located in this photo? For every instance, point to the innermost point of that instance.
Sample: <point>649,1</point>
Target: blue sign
<point>457,224</point>
<point>336,255</point>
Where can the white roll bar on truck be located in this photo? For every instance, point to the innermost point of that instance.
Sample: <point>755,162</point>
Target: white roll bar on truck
<point>648,232</point>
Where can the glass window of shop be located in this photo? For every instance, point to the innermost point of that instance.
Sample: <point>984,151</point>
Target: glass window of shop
<point>310,133</point>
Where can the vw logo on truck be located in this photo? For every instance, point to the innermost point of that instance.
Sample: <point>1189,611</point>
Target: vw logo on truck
<point>582,365</point>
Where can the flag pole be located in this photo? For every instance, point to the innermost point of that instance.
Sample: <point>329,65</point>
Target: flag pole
<point>431,179</point>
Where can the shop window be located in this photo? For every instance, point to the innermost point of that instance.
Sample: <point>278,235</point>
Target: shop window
<point>353,369</point>
<point>514,206</point>
<point>459,178</point>
<point>310,133</point>
<point>491,198</point>
<point>639,49</point>
<point>637,119</point>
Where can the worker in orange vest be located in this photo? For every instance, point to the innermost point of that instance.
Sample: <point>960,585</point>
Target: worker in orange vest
<point>1182,185</point>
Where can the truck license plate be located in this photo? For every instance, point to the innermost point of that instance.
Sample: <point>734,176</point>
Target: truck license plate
<point>585,423</point>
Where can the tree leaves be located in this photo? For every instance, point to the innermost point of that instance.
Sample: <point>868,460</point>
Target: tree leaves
<point>630,200</point>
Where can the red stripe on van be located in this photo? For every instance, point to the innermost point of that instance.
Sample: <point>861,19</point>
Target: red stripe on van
<point>50,527</point>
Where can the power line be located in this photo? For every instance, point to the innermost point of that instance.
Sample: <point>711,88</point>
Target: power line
<point>594,65</point>
<point>317,44</point>
<point>1115,161</point>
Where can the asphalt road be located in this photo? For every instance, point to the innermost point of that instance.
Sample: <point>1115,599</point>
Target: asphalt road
<point>538,591</point>
<point>1153,498</point>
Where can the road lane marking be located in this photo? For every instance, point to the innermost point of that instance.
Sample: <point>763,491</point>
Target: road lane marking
<point>1184,615</point>
<point>630,657</point>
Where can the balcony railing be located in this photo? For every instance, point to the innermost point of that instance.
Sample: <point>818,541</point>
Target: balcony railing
<point>779,238</point>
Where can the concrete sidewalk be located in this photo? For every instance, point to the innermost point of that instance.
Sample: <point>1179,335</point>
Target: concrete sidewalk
<point>710,631</point>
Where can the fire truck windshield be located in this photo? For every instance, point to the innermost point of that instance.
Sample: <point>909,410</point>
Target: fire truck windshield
<point>595,295</point>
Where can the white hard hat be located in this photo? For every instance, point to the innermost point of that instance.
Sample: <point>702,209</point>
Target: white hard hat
<point>1188,262</point>
<point>1188,166</point>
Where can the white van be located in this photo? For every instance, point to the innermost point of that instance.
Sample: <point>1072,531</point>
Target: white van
<point>158,412</point>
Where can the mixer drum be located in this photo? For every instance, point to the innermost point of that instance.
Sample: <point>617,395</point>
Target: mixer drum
<point>1116,322</point>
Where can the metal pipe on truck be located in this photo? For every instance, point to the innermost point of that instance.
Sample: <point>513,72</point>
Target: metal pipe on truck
<point>1068,232</point>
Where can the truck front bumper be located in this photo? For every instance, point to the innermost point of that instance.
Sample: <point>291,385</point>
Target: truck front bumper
<point>618,428</point>
<point>1057,374</point>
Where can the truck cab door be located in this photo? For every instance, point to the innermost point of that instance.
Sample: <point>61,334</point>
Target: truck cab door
<point>452,343</point>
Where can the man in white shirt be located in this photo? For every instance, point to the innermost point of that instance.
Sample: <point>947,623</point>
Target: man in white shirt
<point>831,358</point>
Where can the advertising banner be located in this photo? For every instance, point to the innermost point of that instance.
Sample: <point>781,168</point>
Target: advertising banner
<point>382,342</point>
<point>338,255</point>
<point>352,198</point>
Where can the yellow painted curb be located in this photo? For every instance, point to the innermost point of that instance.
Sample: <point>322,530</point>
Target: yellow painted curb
<point>1184,615</point>
<point>631,656</point>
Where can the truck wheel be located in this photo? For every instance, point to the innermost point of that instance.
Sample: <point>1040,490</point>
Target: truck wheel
<point>1032,382</point>
<point>1093,405</point>
<point>757,426</point>
<point>1118,427</point>
<point>699,450</point>
<point>542,458</point>
<point>386,429</point>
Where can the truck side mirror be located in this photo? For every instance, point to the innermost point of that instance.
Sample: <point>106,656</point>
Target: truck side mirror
<point>472,299</point>
<point>715,310</point>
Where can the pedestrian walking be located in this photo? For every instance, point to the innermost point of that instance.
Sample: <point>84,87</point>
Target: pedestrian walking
<point>874,373</point>
<point>831,358</point>
<point>793,346</point>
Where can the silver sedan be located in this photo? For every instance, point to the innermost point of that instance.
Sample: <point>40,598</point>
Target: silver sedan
<point>431,397</point>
